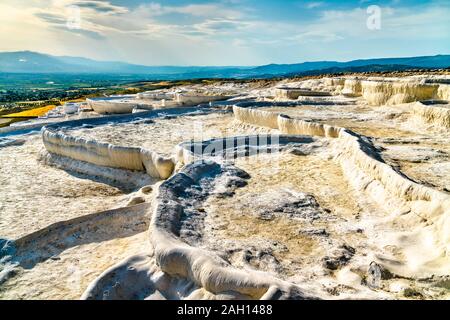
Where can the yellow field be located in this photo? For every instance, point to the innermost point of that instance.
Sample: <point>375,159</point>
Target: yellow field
<point>31,113</point>
<point>75,100</point>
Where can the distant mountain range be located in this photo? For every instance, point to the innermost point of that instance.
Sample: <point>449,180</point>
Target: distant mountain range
<point>33,62</point>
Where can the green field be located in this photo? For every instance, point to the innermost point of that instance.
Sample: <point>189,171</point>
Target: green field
<point>21,92</point>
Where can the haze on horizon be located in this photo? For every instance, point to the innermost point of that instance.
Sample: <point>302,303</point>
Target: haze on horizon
<point>225,32</point>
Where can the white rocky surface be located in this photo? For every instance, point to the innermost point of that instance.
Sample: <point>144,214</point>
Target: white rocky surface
<point>352,200</point>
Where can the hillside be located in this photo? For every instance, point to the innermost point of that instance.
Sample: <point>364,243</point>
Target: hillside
<point>33,62</point>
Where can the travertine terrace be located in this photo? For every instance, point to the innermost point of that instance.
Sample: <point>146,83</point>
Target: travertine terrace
<point>324,188</point>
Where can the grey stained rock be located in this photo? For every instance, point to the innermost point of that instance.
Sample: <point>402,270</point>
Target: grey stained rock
<point>339,258</point>
<point>375,274</point>
<point>294,206</point>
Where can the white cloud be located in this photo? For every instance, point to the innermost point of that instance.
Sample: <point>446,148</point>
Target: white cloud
<point>210,33</point>
<point>196,10</point>
<point>103,7</point>
<point>314,5</point>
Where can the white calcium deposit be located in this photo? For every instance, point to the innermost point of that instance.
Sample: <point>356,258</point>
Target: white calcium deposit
<point>324,188</point>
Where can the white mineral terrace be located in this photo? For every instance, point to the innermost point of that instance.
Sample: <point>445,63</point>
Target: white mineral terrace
<point>327,188</point>
<point>152,100</point>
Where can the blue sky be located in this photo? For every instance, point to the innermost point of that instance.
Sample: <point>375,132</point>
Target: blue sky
<point>226,32</point>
